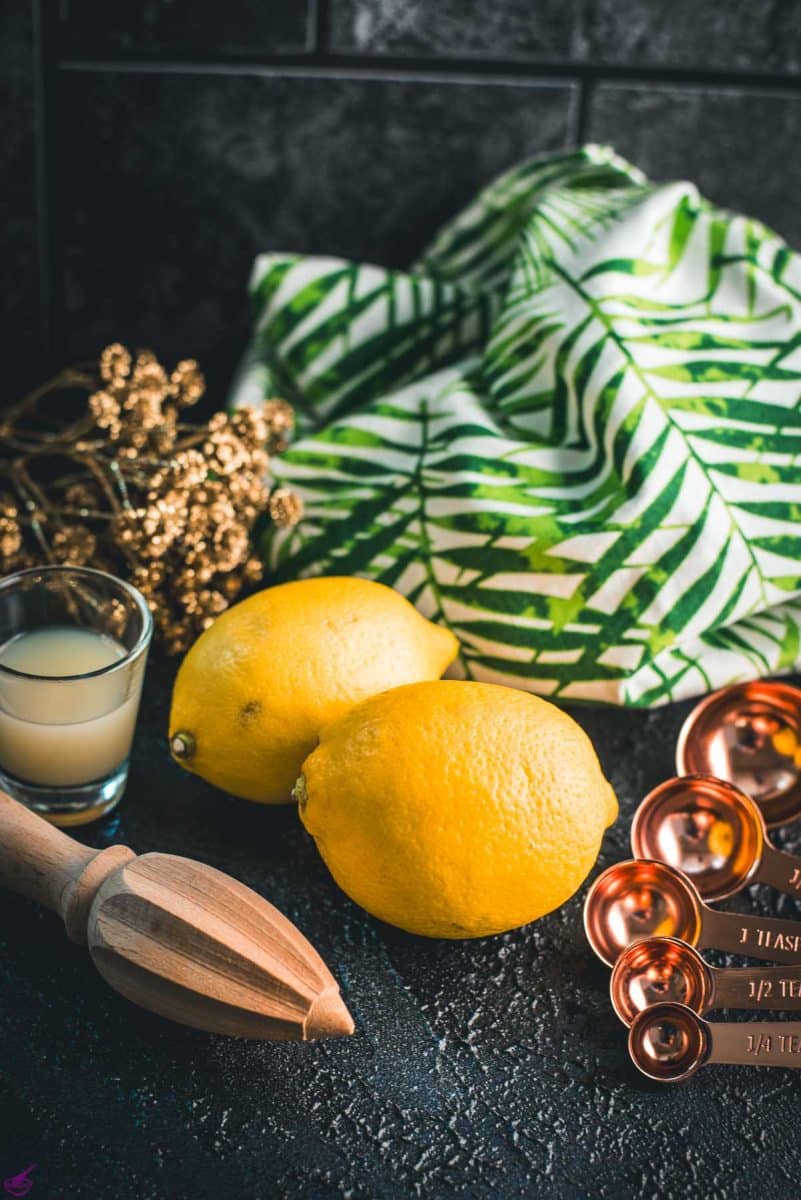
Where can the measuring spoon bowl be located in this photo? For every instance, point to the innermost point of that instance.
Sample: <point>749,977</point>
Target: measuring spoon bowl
<point>750,735</point>
<point>658,970</point>
<point>715,834</point>
<point>639,898</point>
<point>706,828</point>
<point>668,1042</point>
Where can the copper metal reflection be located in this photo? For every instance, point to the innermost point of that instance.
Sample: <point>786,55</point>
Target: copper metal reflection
<point>669,1042</point>
<point>657,970</point>
<point>715,834</point>
<point>641,898</point>
<point>750,735</point>
<point>637,899</point>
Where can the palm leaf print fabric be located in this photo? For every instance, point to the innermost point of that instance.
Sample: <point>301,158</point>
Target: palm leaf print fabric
<point>571,432</point>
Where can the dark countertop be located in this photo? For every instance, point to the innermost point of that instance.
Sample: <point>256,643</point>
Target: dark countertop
<point>491,1068</point>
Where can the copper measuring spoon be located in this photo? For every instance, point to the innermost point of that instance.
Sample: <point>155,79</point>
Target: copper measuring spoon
<point>714,833</point>
<point>639,897</point>
<point>669,1042</point>
<point>749,735</point>
<point>657,970</point>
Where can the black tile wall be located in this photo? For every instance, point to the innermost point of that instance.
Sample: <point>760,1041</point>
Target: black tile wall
<point>740,34</point>
<point>169,184</point>
<point>186,27</point>
<point>762,36</point>
<point>508,29</point>
<point>20,293</point>
<point>736,145</point>
<point>170,140</point>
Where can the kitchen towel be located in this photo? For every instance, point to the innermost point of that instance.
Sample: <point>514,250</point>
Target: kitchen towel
<point>571,432</point>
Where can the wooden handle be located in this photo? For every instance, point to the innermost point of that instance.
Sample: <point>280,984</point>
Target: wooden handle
<point>38,861</point>
<point>176,936</point>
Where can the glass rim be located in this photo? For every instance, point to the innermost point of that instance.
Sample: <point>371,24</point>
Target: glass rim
<point>133,593</point>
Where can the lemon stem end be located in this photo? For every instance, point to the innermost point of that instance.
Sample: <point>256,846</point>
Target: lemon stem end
<point>300,793</point>
<point>182,746</point>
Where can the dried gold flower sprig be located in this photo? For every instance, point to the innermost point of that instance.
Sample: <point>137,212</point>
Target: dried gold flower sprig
<point>128,486</point>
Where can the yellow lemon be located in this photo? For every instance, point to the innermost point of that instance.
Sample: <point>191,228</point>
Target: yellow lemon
<point>256,688</point>
<point>456,809</point>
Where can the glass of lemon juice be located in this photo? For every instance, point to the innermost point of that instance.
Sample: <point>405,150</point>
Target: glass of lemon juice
<point>73,647</point>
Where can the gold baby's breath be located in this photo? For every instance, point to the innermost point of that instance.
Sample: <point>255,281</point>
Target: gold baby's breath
<point>129,487</point>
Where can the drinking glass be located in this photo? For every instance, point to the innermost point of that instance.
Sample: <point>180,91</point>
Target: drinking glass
<point>73,647</point>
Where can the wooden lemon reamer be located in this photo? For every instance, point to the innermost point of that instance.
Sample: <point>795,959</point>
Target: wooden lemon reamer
<point>176,936</point>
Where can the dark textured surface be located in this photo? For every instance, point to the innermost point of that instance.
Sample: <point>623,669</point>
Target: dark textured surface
<point>491,1069</point>
<point>183,179</point>
<point>19,296</point>
<point>732,144</point>
<point>739,34</point>
<point>485,1069</point>
<point>184,27</point>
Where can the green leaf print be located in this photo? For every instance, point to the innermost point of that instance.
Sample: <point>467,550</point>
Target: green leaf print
<point>572,432</point>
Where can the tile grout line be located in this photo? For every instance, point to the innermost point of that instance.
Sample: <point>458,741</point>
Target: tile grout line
<point>321,18</point>
<point>311,68</point>
<point>586,95</point>
<point>322,61</point>
<point>41,73</point>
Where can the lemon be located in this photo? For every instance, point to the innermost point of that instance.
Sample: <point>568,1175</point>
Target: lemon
<point>456,809</point>
<point>256,688</point>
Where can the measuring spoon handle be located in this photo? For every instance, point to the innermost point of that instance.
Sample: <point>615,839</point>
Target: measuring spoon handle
<point>758,937</point>
<point>780,870</point>
<point>756,1044</point>
<point>770,988</point>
